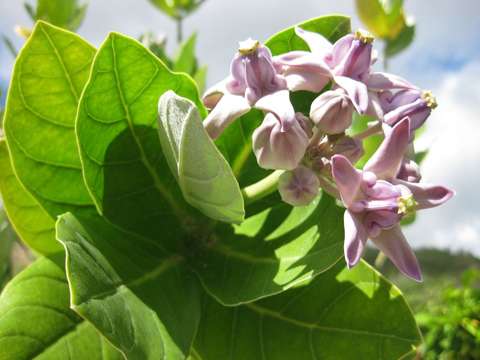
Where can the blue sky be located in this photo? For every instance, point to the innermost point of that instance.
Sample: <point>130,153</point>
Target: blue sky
<point>444,58</point>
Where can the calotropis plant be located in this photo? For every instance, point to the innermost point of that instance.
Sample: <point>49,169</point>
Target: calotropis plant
<point>157,242</point>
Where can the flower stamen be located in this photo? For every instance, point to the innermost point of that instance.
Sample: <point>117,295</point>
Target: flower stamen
<point>248,46</point>
<point>364,36</point>
<point>406,205</point>
<point>428,97</point>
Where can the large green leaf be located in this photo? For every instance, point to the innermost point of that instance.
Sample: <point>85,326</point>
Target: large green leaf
<point>142,298</point>
<point>384,18</point>
<point>333,27</point>
<point>206,179</point>
<point>47,81</point>
<point>124,168</point>
<point>342,314</point>
<point>36,322</point>
<point>401,41</point>
<point>236,141</point>
<point>34,226</point>
<point>271,251</point>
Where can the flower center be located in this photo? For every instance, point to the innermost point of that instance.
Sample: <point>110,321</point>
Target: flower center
<point>248,46</point>
<point>406,205</point>
<point>364,36</point>
<point>428,97</point>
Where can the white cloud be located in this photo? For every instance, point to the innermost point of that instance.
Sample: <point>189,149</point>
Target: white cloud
<point>453,136</point>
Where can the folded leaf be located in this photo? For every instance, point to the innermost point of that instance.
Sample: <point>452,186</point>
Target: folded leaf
<point>138,295</point>
<point>206,179</point>
<point>271,251</point>
<point>342,314</point>
<point>48,78</point>
<point>124,168</point>
<point>34,226</point>
<point>37,323</point>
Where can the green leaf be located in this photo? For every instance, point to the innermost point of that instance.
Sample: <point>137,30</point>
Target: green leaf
<point>333,27</point>
<point>7,241</point>
<point>177,8</point>
<point>200,77</point>
<point>142,298</point>
<point>124,168</point>
<point>185,60</point>
<point>271,251</point>
<point>34,226</point>
<point>206,179</point>
<point>370,144</point>
<point>67,14</point>
<point>48,78</point>
<point>342,314</point>
<point>401,41</point>
<point>37,323</point>
<point>383,18</point>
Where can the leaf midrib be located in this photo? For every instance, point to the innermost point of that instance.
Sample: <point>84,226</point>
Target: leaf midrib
<point>62,63</point>
<point>263,311</point>
<point>157,182</point>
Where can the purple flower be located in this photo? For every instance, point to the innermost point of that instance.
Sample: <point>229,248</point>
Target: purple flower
<point>252,77</point>
<point>397,99</point>
<point>376,200</point>
<point>412,103</point>
<point>298,187</point>
<point>279,144</point>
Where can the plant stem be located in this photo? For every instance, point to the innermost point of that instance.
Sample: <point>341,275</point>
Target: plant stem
<point>372,130</point>
<point>262,188</point>
<point>179,29</point>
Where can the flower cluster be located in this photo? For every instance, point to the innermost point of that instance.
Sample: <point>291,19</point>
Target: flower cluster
<point>316,151</point>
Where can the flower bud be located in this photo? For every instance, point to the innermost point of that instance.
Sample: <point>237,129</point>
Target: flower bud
<point>280,144</point>
<point>253,73</point>
<point>332,111</point>
<point>298,187</point>
<point>349,147</point>
<point>412,103</point>
<point>352,55</point>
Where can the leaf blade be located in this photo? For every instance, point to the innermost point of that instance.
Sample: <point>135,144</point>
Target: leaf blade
<point>322,319</point>
<point>37,322</point>
<point>111,272</point>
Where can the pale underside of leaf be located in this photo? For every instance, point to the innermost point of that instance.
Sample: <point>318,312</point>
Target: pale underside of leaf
<point>206,180</point>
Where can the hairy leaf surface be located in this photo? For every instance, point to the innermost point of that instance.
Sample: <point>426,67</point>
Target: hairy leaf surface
<point>341,314</point>
<point>37,323</point>
<point>206,179</point>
